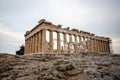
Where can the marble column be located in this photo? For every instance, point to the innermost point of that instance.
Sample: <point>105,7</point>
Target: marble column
<point>102,46</point>
<point>70,42</point>
<point>51,42</point>
<point>70,46</point>
<point>94,45</point>
<point>30,45</point>
<point>108,48</point>
<point>79,39</point>
<point>39,35</point>
<point>27,45</point>
<point>75,38</point>
<point>35,42</point>
<point>90,45</point>
<point>70,38</point>
<point>87,44</point>
<point>44,41</point>
<point>75,46</point>
<point>65,42</point>
<point>38,47</point>
<point>97,45</point>
<point>105,46</point>
<point>80,50</point>
<point>40,41</point>
<point>58,42</point>
<point>84,44</point>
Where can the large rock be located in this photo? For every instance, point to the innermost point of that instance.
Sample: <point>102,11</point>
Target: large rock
<point>59,67</point>
<point>65,67</point>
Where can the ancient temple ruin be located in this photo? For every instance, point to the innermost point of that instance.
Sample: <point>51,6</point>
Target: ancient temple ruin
<point>74,40</point>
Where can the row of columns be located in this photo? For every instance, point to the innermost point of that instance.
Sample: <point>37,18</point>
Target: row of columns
<point>37,43</point>
<point>100,46</point>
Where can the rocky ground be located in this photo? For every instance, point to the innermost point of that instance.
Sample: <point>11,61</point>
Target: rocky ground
<point>59,67</point>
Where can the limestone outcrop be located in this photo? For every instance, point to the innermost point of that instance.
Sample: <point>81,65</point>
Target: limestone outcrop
<point>60,67</point>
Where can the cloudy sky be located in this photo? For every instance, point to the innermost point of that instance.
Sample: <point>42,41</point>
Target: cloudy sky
<point>101,17</point>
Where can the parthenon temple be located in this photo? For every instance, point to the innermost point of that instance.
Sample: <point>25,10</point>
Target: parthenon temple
<point>47,38</point>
